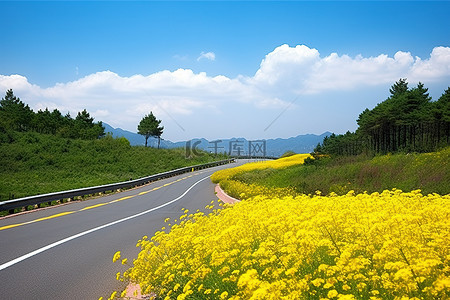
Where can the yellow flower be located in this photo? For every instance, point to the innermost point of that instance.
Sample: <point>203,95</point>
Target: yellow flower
<point>332,294</point>
<point>116,256</point>
<point>317,282</point>
<point>346,287</point>
<point>113,295</point>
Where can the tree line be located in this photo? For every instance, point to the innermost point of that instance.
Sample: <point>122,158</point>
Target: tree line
<point>407,121</point>
<point>18,116</point>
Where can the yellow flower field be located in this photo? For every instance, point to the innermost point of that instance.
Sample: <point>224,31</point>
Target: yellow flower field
<point>389,245</point>
<point>242,190</point>
<point>274,164</point>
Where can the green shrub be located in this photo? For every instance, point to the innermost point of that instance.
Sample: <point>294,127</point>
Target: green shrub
<point>35,163</point>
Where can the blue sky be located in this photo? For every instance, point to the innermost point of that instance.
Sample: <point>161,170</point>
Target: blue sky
<point>222,69</point>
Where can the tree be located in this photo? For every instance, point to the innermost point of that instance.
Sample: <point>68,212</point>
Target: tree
<point>408,120</point>
<point>400,87</point>
<point>14,113</point>
<point>86,128</point>
<point>149,126</point>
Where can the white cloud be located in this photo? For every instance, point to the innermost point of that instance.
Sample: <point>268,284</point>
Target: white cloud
<point>437,66</point>
<point>284,74</point>
<point>207,55</point>
<point>302,70</point>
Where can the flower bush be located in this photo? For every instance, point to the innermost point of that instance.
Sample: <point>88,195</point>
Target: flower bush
<point>389,245</point>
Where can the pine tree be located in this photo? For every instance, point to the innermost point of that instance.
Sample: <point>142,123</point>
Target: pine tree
<point>149,126</point>
<point>14,113</point>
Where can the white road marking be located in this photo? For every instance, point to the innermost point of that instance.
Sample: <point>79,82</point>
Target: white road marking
<point>60,242</point>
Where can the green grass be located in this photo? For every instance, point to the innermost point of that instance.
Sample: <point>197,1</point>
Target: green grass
<point>33,163</point>
<point>429,172</point>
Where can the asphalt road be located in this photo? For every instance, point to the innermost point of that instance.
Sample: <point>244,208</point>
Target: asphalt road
<point>65,252</point>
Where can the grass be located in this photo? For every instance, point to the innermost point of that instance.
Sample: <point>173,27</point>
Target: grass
<point>429,172</point>
<point>33,163</point>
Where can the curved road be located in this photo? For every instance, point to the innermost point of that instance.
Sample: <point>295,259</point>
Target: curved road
<point>65,252</point>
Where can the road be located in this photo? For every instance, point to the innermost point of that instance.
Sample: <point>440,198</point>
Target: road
<point>65,252</point>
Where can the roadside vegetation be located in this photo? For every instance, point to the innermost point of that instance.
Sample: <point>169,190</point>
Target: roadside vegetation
<point>277,244</point>
<point>34,163</point>
<point>429,172</point>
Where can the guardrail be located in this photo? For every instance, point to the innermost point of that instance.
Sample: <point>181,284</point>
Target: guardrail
<point>10,205</point>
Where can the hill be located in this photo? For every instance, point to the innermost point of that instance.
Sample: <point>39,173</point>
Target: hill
<point>34,163</point>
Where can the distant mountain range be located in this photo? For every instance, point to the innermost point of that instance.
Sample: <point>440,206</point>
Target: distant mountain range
<point>236,146</point>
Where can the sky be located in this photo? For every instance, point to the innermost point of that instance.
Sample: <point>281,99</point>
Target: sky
<point>216,69</point>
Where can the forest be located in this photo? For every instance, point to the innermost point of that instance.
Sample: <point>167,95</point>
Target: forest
<point>407,121</point>
<point>15,115</point>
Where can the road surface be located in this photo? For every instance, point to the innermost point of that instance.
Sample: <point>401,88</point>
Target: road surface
<point>65,252</point>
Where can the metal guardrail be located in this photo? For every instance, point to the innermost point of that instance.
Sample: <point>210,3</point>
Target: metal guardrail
<point>38,199</point>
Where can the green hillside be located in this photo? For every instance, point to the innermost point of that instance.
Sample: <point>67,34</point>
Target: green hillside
<point>34,163</point>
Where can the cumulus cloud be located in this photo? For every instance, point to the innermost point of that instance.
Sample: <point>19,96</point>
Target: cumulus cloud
<point>302,69</point>
<point>284,74</point>
<point>207,55</point>
<point>437,66</point>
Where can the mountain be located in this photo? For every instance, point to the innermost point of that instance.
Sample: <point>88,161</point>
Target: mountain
<point>237,146</point>
<point>134,138</point>
<point>271,147</point>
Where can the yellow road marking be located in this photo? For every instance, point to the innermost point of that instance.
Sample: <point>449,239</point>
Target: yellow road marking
<point>10,226</point>
<point>94,206</point>
<point>120,199</point>
<point>37,220</point>
<point>54,216</point>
